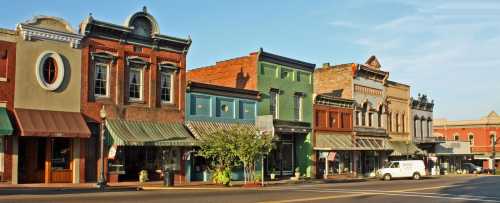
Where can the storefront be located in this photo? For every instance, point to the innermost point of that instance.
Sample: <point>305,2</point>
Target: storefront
<point>197,167</point>
<point>405,150</point>
<point>6,129</point>
<point>372,153</point>
<point>50,146</point>
<point>146,145</point>
<point>334,155</point>
<point>452,155</point>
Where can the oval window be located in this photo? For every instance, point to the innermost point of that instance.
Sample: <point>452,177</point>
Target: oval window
<point>49,70</point>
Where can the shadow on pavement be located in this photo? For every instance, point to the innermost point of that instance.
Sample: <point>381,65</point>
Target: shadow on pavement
<point>57,191</point>
<point>484,187</point>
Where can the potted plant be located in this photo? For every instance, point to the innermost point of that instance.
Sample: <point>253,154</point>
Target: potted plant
<point>297,173</point>
<point>273,174</point>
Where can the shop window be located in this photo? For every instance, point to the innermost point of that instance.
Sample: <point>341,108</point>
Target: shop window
<point>101,73</point>
<point>200,105</point>
<point>166,87</point>
<point>135,84</point>
<point>225,108</point>
<point>61,154</point>
<point>247,110</point>
<point>471,139</point>
<point>456,138</point>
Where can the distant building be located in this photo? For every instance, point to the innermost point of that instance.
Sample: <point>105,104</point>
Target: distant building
<point>480,134</point>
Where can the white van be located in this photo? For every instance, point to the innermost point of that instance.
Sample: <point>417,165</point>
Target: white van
<point>402,169</point>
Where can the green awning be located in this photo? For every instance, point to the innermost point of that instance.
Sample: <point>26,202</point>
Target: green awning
<point>5,124</point>
<point>203,128</point>
<point>142,133</point>
<point>401,148</point>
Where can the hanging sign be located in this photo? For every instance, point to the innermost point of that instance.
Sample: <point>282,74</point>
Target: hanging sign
<point>112,152</point>
<point>331,156</point>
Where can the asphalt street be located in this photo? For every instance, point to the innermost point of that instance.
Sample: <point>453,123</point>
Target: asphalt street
<point>445,189</point>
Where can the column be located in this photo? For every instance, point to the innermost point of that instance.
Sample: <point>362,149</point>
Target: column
<point>325,175</point>
<point>76,160</point>
<point>15,159</point>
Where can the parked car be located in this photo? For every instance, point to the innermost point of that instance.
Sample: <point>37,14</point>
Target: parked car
<point>402,169</point>
<point>471,168</point>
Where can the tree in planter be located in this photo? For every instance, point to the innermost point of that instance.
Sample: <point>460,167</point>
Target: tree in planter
<point>219,147</point>
<point>228,148</point>
<point>251,147</point>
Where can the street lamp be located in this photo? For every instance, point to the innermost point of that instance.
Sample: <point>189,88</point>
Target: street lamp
<point>493,154</point>
<point>101,182</point>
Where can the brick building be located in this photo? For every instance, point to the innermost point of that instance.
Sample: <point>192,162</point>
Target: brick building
<point>480,134</point>
<point>286,90</point>
<point>137,76</point>
<point>7,75</point>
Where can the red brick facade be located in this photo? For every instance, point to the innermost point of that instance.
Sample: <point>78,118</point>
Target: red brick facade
<point>117,104</point>
<point>7,75</point>
<point>236,73</point>
<point>477,132</point>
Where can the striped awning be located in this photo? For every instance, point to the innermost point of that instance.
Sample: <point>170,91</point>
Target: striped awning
<point>372,143</point>
<point>203,128</point>
<point>402,148</point>
<point>333,141</point>
<point>142,133</point>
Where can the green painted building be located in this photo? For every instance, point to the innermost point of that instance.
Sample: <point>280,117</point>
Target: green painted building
<point>285,86</point>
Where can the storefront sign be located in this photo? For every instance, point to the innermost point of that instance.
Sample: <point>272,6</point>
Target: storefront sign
<point>112,152</point>
<point>331,156</point>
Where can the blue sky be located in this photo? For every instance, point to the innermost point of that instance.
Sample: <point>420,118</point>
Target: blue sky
<point>446,49</point>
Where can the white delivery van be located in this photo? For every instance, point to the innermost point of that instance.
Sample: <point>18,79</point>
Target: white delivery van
<point>402,169</point>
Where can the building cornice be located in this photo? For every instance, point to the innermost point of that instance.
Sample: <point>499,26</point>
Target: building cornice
<point>29,32</point>
<point>289,62</point>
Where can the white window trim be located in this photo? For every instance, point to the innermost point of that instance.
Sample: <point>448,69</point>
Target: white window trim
<point>107,80</point>
<point>141,85</point>
<point>277,106</point>
<point>171,88</point>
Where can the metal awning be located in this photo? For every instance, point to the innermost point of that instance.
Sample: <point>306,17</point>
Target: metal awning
<point>401,148</point>
<point>5,124</point>
<point>372,143</point>
<point>202,128</point>
<point>44,123</point>
<point>142,133</point>
<point>334,141</point>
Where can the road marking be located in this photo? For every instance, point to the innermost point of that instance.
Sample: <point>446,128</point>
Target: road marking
<point>405,192</point>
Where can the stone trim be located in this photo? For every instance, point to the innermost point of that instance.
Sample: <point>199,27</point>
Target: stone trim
<point>29,33</point>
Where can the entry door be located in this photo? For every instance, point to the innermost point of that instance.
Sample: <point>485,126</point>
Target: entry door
<point>61,159</point>
<point>287,158</point>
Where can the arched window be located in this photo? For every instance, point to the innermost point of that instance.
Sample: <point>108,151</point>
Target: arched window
<point>456,137</point>
<point>402,122</point>
<point>415,122</point>
<point>397,122</point>
<point>471,139</point>
<point>379,116</point>
<point>363,114</point>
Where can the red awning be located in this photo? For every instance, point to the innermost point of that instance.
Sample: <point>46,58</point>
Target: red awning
<point>51,123</point>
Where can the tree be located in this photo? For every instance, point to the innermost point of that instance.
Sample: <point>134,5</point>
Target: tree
<point>228,148</point>
<point>219,148</point>
<point>251,147</point>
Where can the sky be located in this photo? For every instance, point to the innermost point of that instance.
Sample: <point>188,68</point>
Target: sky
<point>445,49</point>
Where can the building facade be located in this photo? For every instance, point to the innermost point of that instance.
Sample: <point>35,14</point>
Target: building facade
<point>211,108</point>
<point>286,90</point>
<point>363,83</point>
<point>137,76</point>
<point>481,134</point>
<point>7,76</point>
<point>333,136</point>
<point>52,131</point>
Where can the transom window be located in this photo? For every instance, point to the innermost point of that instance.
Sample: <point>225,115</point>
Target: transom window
<point>135,84</point>
<point>101,80</point>
<point>49,70</point>
<point>166,87</point>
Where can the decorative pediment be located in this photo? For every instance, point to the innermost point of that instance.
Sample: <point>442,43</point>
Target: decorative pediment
<point>138,61</point>
<point>168,66</point>
<point>103,56</point>
<point>373,62</point>
<point>49,28</point>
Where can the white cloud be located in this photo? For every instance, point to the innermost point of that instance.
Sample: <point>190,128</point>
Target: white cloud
<point>343,24</point>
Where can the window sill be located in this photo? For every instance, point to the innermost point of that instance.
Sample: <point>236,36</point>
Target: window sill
<point>2,79</point>
<point>136,101</point>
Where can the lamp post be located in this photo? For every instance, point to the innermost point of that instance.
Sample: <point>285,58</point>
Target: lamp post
<point>493,154</point>
<point>101,182</point>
